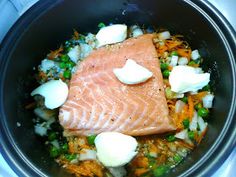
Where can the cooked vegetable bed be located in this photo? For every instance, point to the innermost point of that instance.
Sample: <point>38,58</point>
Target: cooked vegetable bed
<point>187,91</point>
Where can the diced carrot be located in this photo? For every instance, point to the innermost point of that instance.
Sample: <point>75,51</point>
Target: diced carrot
<point>76,35</point>
<point>162,49</point>
<point>184,53</point>
<point>200,137</point>
<point>170,68</point>
<point>190,107</point>
<point>140,171</point>
<point>53,54</point>
<point>172,44</point>
<point>140,161</point>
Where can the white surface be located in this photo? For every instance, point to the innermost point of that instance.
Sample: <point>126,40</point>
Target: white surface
<point>11,10</point>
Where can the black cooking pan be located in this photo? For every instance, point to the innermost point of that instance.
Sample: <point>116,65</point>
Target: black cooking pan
<point>48,23</point>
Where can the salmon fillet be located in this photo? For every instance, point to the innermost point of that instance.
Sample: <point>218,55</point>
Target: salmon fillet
<point>99,102</point>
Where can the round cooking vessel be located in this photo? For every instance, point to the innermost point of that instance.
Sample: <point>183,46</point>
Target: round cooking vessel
<point>48,23</point>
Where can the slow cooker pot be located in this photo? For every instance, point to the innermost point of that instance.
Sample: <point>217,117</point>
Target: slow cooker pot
<point>48,23</point>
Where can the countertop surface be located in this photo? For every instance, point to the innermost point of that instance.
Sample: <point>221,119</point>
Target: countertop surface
<point>11,10</point>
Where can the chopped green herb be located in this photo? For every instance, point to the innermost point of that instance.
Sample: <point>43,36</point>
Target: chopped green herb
<point>91,139</point>
<point>67,74</point>
<point>191,63</point>
<point>64,148</point>
<point>52,136</point>
<point>206,88</point>
<point>62,65</point>
<point>70,157</point>
<point>70,65</point>
<point>185,99</point>
<point>174,53</point>
<point>166,73</point>
<point>186,123</point>
<point>191,135</point>
<point>54,152</point>
<point>161,170</point>
<point>203,112</point>
<point>177,158</point>
<point>101,25</point>
<point>65,58</point>
<point>198,106</point>
<point>170,138</point>
<point>164,66</point>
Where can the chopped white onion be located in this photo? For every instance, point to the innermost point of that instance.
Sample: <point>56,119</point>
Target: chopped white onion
<point>74,54</point>
<point>45,114</point>
<point>117,171</point>
<point>136,31</point>
<point>40,130</point>
<point>195,55</point>
<point>208,101</point>
<point>87,154</point>
<point>46,65</point>
<point>182,61</point>
<point>202,124</point>
<point>179,105</point>
<point>182,134</point>
<point>174,60</point>
<point>193,123</point>
<point>55,143</point>
<point>164,35</point>
<point>85,50</point>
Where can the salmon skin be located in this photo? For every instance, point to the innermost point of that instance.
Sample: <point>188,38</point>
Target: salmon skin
<point>99,102</point>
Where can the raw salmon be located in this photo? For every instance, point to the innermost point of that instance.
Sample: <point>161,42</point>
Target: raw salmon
<point>99,102</point>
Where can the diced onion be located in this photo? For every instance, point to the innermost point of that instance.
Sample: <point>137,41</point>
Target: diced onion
<point>117,171</point>
<point>208,101</point>
<point>179,105</point>
<point>174,60</point>
<point>182,134</point>
<point>87,154</point>
<point>40,130</point>
<point>195,55</point>
<point>136,31</point>
<point>164,35</point>
<point>55,143</point>
<point>193,124</point>
<point>202,124</point>
<point>183,61</point>
<point>74,54</point>
<point>47,65</point>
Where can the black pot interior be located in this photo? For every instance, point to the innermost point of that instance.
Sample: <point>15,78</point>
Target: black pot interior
<point>44,28</point>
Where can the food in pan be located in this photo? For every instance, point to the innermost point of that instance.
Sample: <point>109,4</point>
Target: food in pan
<point>128,101</point>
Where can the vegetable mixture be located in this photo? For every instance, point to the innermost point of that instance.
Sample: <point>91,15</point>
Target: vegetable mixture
<point>156,154</point>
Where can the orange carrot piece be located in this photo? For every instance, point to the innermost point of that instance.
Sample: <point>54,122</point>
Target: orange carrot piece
<point>55,53</point>
<point>162,49</point>
<point>140,171</point>
<point>184,53</point>
<point>190,107</point>
<point>172,44</point>
<point>76,35</point>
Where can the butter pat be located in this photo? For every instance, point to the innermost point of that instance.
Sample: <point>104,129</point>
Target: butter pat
<point>132,73</point>
<point>187,79</point>
<point>115,149</point>
<point>111,34</point>
<point>55,93</point>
